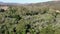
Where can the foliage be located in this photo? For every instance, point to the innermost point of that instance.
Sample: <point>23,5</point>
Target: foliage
<point>28,20</point>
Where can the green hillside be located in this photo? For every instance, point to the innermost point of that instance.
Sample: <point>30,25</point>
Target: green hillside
<point>29,19</point>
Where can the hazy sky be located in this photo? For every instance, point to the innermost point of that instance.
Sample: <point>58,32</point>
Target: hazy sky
<point>24,1</point>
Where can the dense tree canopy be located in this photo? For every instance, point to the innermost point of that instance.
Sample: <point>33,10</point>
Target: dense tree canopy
<point>27,20</point>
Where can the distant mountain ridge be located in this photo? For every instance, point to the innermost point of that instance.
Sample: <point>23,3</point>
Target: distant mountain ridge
<point>36,4</point>
<point>9,4</point>
<point>52,4</point>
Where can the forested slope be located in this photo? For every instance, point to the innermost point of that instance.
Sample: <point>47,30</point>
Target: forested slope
<point>22,20</point>
<point>29,20</point>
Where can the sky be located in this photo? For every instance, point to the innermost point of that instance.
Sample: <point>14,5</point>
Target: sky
<point>23,1</point>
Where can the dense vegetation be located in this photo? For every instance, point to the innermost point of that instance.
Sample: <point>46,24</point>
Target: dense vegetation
<point>31,20</point>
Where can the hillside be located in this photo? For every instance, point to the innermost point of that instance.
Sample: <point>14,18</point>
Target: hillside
<point>35,18</point>
<point>50,4</point>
